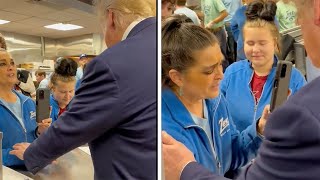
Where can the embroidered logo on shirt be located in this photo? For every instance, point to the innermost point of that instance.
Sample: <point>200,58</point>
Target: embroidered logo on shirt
<point>32,114</point>
<point>223,126</point>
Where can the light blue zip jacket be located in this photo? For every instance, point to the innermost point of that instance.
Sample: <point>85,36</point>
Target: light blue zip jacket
<point>13,131</point>
<point>236,87</point>
<point>233,149</point>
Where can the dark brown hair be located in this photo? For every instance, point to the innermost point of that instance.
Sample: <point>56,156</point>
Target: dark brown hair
<point>180,38</point>
<point>181,2</point>
<point>261,14</point>
<point>3,43</point>
<point>40,73</point>
<point>169,1</point>
<point>65,70</point>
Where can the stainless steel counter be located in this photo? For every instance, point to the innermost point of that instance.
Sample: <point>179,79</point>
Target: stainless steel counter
<point>75,165</point>
<point>9,174</point>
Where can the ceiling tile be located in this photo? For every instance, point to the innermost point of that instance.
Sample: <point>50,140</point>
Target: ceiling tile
<point>9,3</point>
<point>79,12</point>
<point>37,22</point>
<point>61,16</point>
<point>30,9</point>
<point>12,16</point>
<point>29,18</point>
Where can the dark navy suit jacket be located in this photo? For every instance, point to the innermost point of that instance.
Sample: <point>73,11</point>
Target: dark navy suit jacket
<point>114,110</point>
<point>291,150</point>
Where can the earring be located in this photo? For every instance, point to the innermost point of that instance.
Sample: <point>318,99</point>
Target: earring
<point>180,91</point>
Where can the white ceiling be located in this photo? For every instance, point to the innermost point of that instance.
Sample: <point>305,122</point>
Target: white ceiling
<point>30,17</point>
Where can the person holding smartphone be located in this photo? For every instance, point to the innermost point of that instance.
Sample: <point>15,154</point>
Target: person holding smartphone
<point>247,84</point>
<point>18,113</point>
<point>62,85</point>
<point>291,146</point>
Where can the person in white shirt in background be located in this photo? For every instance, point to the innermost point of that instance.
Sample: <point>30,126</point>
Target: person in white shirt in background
<point>83,59</point>
<point>41,79</point>
<point>182,9</point>
<point>27,88</point>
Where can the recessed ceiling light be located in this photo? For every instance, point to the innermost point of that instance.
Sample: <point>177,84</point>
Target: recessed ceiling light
<point>3,21</point>
<point>63,27</point>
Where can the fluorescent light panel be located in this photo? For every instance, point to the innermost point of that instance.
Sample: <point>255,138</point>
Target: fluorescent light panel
<point>63,27</point>
<point>3,21</point>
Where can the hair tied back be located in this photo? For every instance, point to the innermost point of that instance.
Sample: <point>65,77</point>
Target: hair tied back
<point>261,10</point>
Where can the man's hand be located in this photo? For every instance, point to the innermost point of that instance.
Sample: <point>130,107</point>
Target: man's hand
<point>19,149</point>
<point>175,156</point>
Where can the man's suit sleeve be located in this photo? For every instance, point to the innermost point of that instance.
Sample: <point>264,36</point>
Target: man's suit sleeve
<point>290,148</point>
<point>95,109</point>
<point>195,171</point>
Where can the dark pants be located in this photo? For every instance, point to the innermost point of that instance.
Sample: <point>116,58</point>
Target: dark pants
<point>231,45</point>
<point>221,36</point>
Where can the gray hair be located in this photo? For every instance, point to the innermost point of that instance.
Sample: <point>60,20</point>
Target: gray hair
<point>126,11</point>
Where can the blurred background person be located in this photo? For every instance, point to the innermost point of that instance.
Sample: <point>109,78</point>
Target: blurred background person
<point>232,6</point>
<point>25,83</point>
<point>194,4</point>
<point>3,43</point>
<point>214,14</point>
<point>41,79</point>
<point>286,14</point>
<point>182,9</point>
<point>83,59</point>
<point>167,8</point>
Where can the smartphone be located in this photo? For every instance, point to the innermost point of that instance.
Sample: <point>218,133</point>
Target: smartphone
<point>280,89</point>
<point>42,104</point>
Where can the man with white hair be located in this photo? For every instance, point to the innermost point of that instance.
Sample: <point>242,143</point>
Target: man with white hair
<point>115,108</point>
